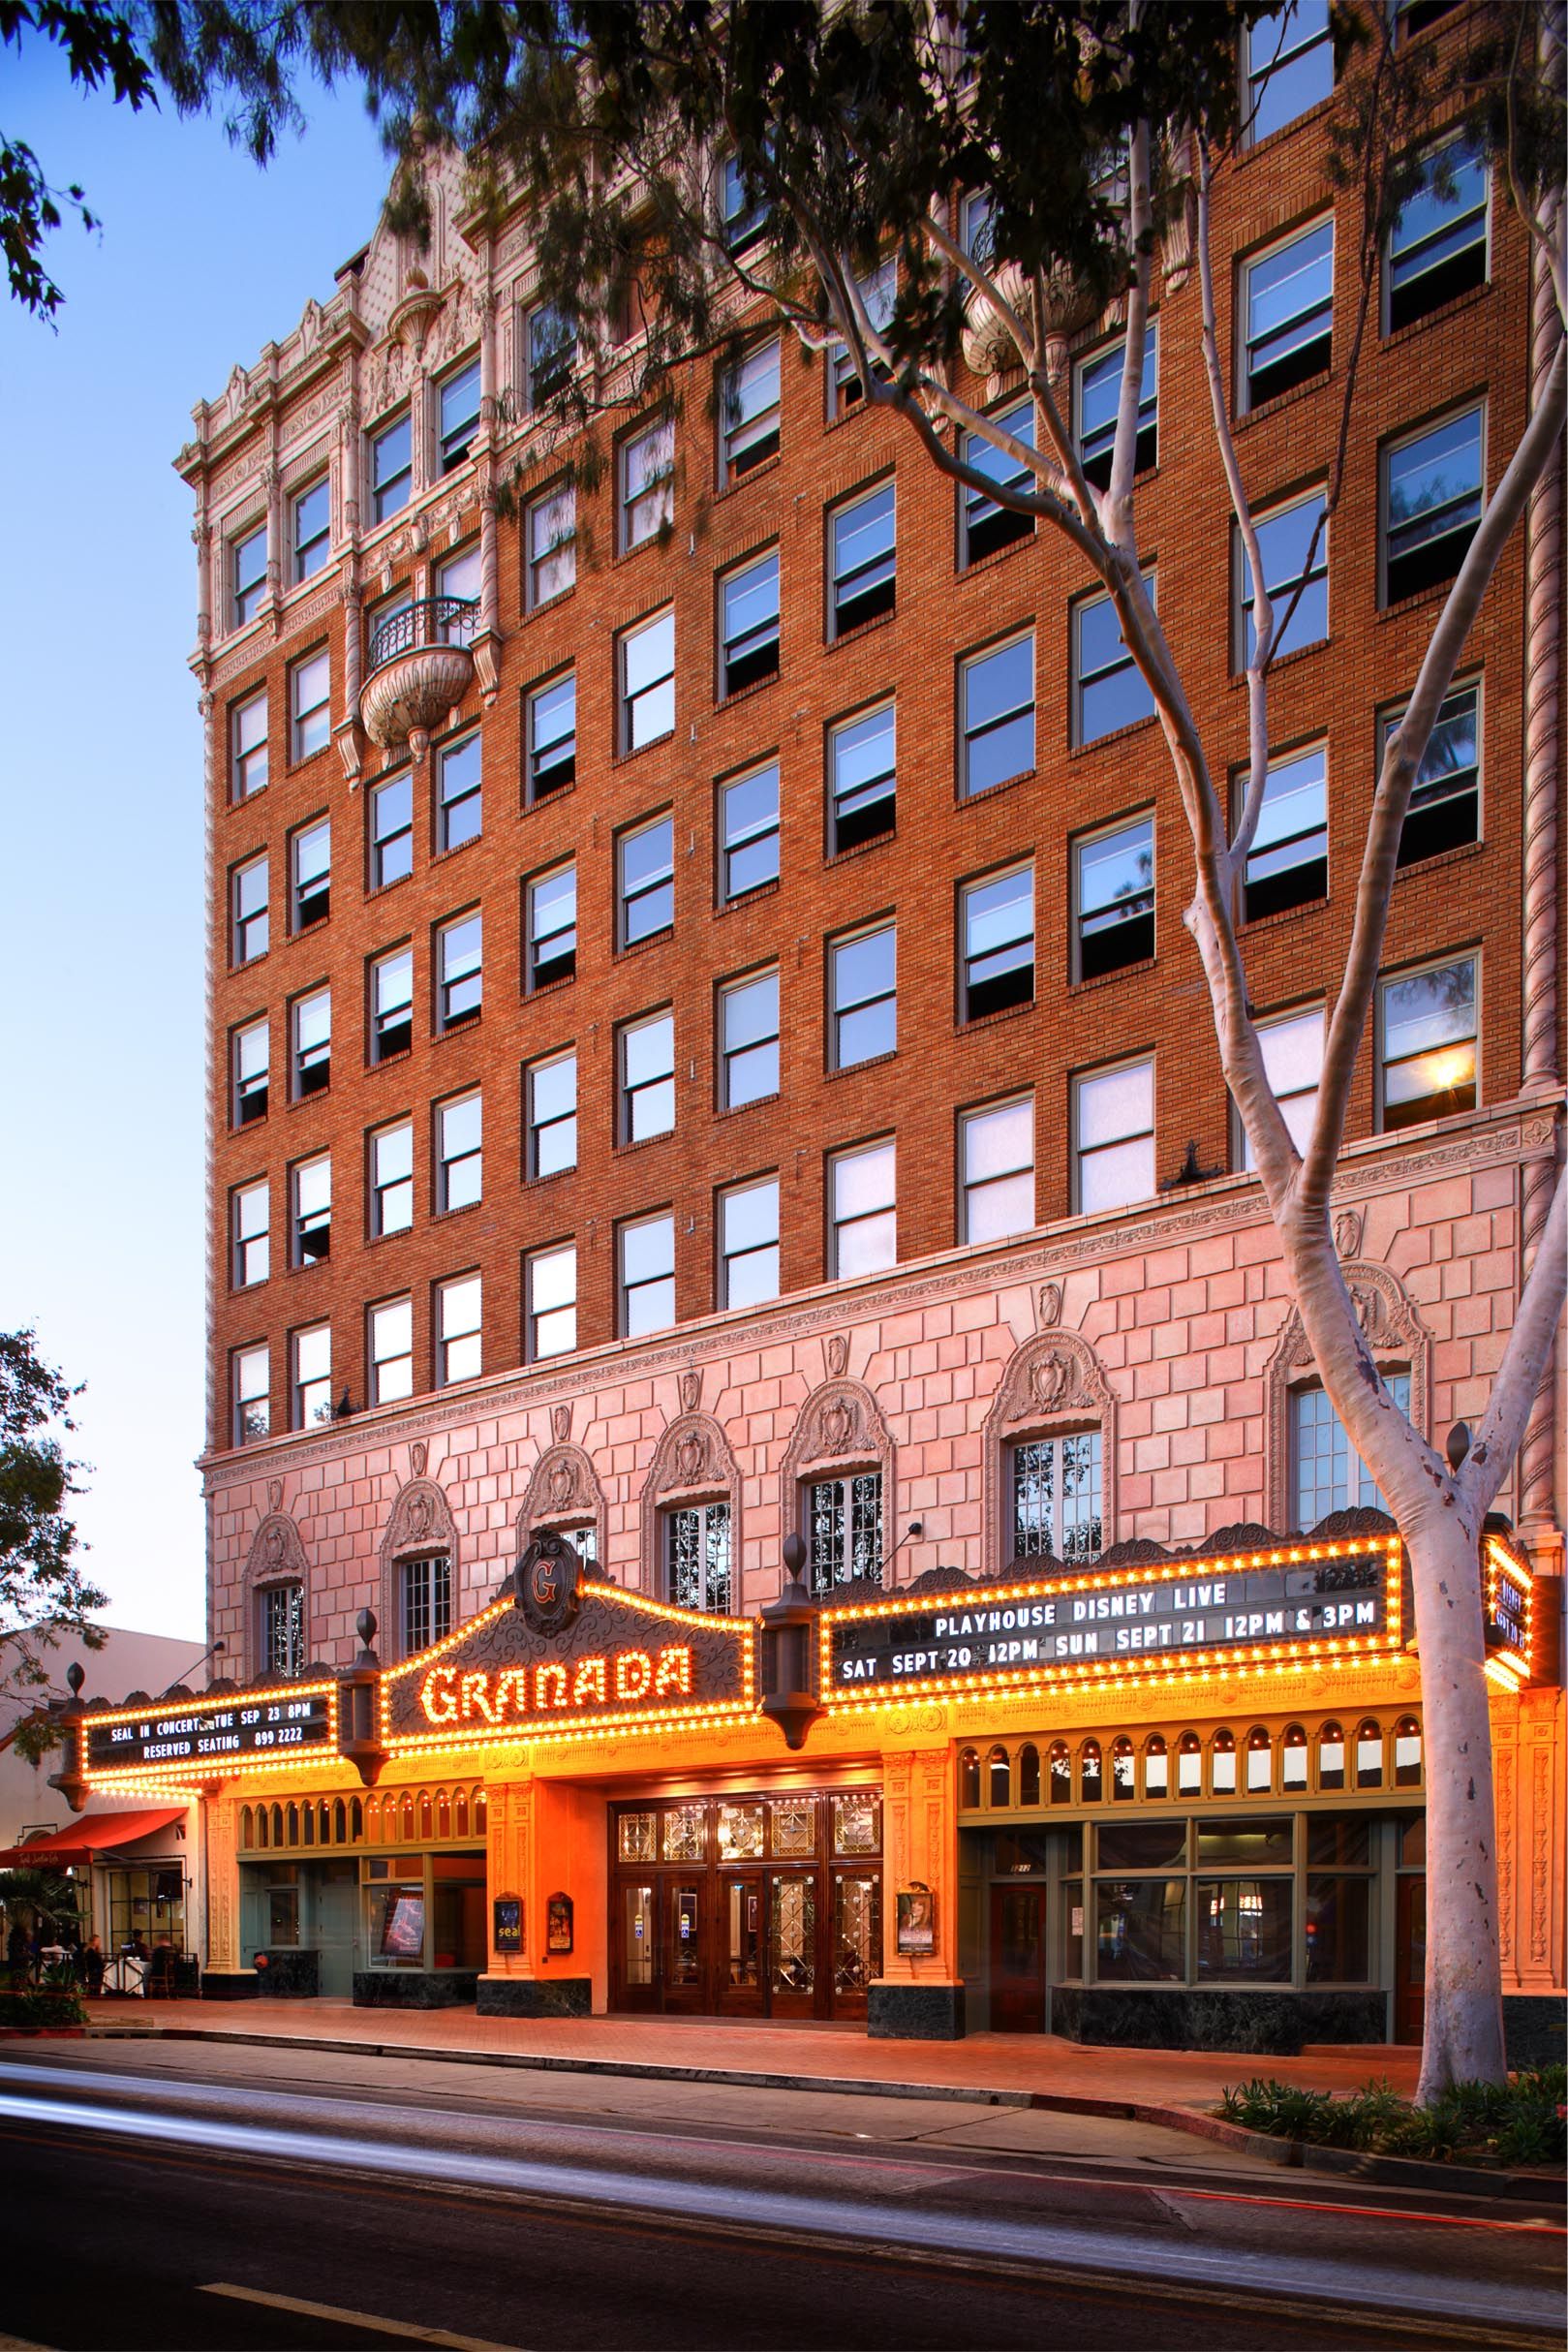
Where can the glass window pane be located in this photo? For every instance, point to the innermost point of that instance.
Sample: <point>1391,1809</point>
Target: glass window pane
<point>1140,1930</point>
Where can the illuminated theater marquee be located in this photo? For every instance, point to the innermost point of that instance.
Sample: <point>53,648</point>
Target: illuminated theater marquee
<point>458,1695</point>
<point>1260,1607</point>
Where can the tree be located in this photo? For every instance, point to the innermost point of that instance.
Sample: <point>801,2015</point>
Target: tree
<point>44,1590</point>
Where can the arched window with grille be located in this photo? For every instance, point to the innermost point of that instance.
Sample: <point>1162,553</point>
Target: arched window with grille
<point>999,1778</point>
<point>1123,1769</point>
<point>1259,1762</point>
<point>1157,1767</point>
<point>1407,1752</point>
<point>1028,1774</point>
<point>969,1778</point>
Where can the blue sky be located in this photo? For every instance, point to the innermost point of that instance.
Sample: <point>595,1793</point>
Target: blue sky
<point>202,258</point>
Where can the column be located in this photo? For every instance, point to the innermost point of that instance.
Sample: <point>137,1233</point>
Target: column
<point>918,1996</point>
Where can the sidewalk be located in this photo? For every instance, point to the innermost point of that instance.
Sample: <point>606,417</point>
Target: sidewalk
<point>1012,2069</point>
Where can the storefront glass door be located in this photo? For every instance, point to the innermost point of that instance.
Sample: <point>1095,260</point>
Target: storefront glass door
<point>686,1974</point>
<point>792,1944</point>
<point>1016,1959</point>
<point>639,1946</point>
<point>741,1899</point>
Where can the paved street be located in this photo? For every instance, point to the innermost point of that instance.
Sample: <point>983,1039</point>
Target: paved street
<point>181,2194</point>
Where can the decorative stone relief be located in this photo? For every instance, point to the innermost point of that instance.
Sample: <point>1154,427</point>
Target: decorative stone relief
<point>691,1386</point>
<point>561,1422</point>
<point>1541,1804</point>
<point>839,1427</point>
<point>1503,1770</point>
<point>837,1355</point>
<point>1048,1306</point>
<point>1053,1382</point>
<point>419,1456</point>
<point>1396,1335</point>
<point>421,1526</point>
<point>564,1490</point>
<point>1347,1226</point>
<point>694,1461</point>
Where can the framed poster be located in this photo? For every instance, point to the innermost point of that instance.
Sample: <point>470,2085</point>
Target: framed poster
<point>558,1924</point>
<point>916,1922</point>
<point>402,1935</point>
<point>507,1930</point>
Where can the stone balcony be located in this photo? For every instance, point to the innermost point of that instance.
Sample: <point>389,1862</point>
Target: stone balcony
<point>419,666</point>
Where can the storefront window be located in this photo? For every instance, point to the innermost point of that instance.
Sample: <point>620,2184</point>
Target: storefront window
<point>1339,1841</point>
<point>857,1825</point>
<point>1246,1843</point>
<point>740,1832</point>
<point>1143,1845</point>
<point>458,1910</point>
<point>147,1904</point>
<point>1243,1929</point>
<point>1140,1930</point>
<point>283,1913</point>
<point>394,1923</point>
<point>1338,1944</point>
<point>636,1837</point>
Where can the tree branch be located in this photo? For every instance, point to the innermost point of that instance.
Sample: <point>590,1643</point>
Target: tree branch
<point>1525,1361</point>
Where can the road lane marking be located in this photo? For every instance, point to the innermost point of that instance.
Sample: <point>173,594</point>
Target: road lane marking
<point>356,2319</point>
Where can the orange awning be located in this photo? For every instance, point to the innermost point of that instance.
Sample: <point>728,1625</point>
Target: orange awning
<point>94,1834</point>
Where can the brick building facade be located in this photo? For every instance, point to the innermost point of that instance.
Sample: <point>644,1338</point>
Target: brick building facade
<point>1015,1343</point>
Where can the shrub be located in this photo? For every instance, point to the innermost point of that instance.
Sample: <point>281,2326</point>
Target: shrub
<point>1519,2123</point>
<point>38,2007</point>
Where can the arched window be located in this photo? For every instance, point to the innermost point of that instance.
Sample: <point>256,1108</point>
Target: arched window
<point>1222,1769</point>
<point>1061,1773</point>
<point>277,1825</point>
<point>1123,1769</point>
<point>425,1819</point>
<point>999,1778</point>
<point>480,1812</point>
<point>293,1825</point>
<point>1028,1774</point>
<point>373,1819</point>
<point>1370,1754</point>
<point>444,1815</point>
<point>406,1816</point>
<point>969,1778</point>
<point>1259,1762</point>
<point>308,1823</point>
<point>460,1813</point>
<point>1407,1752</point>
<point>246,1826</point>
<point>1293,1759</point>
<point>1189,1765</point>
<point>1088,1773</point>
<point>262,1838</point>
<point>324,1835</point>
<point>356,1818</point>
<point>1157,1767</point>
<point>1331,1758</point>
<point>340,1823</point>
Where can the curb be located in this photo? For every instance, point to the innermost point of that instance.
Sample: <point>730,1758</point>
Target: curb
<point>1389,2172</point>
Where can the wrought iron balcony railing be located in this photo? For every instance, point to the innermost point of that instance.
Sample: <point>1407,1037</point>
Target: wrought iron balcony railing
<point>435,620</point>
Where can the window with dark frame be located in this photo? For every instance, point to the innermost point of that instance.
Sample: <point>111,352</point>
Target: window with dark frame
<point>310,703</point>
<point>251,1205</point>
<point>1325,1472</point>
<point>1293,545</point>
<point>552,927</point>
<point>1109,689</point>
<point>460,972</point>
<point>310,514</point>
<point>550,1292</point>
<point>647,1275</point>
<point>312,1186</point>
<point>457,399</point>
<point>863,1210</point>
<point>1056,1496</point>
<point>862,559</point>
<point>459,789</point>
<point>997,918</point>
<point>1445,799</point>
<point>647,482</point>
<point>984,526</point>
<point>391,1350</point>
<point>552,737</point>
<point>1433,492</point>
<point>247,572</point>
<point>1427,1039</point>
<point>1114,890</point>
<point>392,1178</point>
<point>459,577</point>
<point>749,625</point>
<point>647,1058</point>
<point>428,1601</point>
<point>749,412</point>
<point>1288,65</point>
<point>312,1023</point>
<point>312,878</point>
<point>250,918</point>
<point>392,468</point>
<point>1287,309</point>
<point>1113,1137</point>
<point>863,996</point>
<point>552,544</point>
<point>997,715</point>
<point>552,353</point>
<point>253,1062</point>
<point>391,1005</point>
<point>697,1557</point>
<point>749,831</point>
<point>749,1244</point>
<point>743,211</point>
<point>248,746</point>
<point>878,295</point>
<point>843,1531</point>
<point>646,660</point>
<point>391,830</point>
<point>749,1039</point>
<point>862,769</point>
<point>550,1090</point>
<point>252,1394</point>
<point>1097,395</point>
<point>459,1153</point>
<point>646,863</point>
<point>283,1631</point>
<point>1288,862</point>
<point>459,1329</point>
<point>997,1170</point>
<point>1292,1048</point>
<point>1437,245</point>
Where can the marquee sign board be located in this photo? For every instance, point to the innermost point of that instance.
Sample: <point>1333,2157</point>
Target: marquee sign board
<point>564,1656</point>
<point>209,1737</point>
<point>1315,1600</point>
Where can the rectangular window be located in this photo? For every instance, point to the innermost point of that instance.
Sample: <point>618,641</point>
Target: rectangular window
<point>459,1153</point>
<point>648,1078</point>
<point>749,412</point>
<point>1293,1063</point>
<point>647,665</point>
<point>1287,304</point>
<point>312,1211</point>
<point>1292,543</point>
<point>997,715</point>
<point>1327,1474</point>
<point>552,544</point>
<point>1445,799</point>
<point>1114,884</point>
<point>749,1244</point>
<point>984,526</point>
<point>863,766</point>
<point>1056,1484</point>
<point>552,737</point>
<point>392,1178</point>
<point>391,830</point>
<point>647,1252</point>
<point>1432,488</point>
<point>1289,65</point>
<point>863,1211</point>
<point>392,468</point>
<point>459,1336</point>
<point>997,924</point>
<point>310,703</point>
<point>251,1222</point>
<point>552,349</point>
<point>742,210</point>
<point>975,231</point>
<point>843,1531</point>
<point>749,1041</point>
<point>749,625</point>
<point>312,1399</point>
<point>247,747</point>
<point>458,415</point>
<point>458,580</point>
<point>879,294</point>
<point>391,1005</point>
<point>1288,862</point>
<point>252,1394</point>
<point>427,1602</point>
<point>391,1350</point>
<point>552,927</point>
<point>863,992</point>
<point>253,1059</point>
<point>311,882</point>
<point>647,484</point>
<point>247,558</point>
<point>1109,689</point>
<point>1427,1045</point>
<point>460,972</point>
<point>312,1021</point>
<point>283,1631</point>
<point>249,884</point>
<point>1437,245</point>
<point>748,832</point>
<point>460,799</point>
<point>697,1557</point>
<point>551,1094</point>
<point>310,517</point>
<point>647,874</point>
<point>997,1158</point>
<point>862,559</point>
<point>1113,1137</point>
<point>551,1294</point>
<point>1097,394</point>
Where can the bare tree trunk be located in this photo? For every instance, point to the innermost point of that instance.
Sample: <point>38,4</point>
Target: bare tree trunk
<point>1463,2036</point>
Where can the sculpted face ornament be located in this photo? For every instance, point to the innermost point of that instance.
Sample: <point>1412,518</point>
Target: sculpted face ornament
<point>549,1585</point>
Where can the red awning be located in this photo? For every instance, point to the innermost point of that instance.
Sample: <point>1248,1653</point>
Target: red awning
<point>94,1834</point>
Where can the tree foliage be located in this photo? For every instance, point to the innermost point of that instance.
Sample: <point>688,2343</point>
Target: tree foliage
<point>43,1589</point>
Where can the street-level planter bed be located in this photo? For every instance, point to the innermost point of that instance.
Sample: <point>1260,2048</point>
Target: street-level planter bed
<point>1481,2124</point>
<point>41,2009</point>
